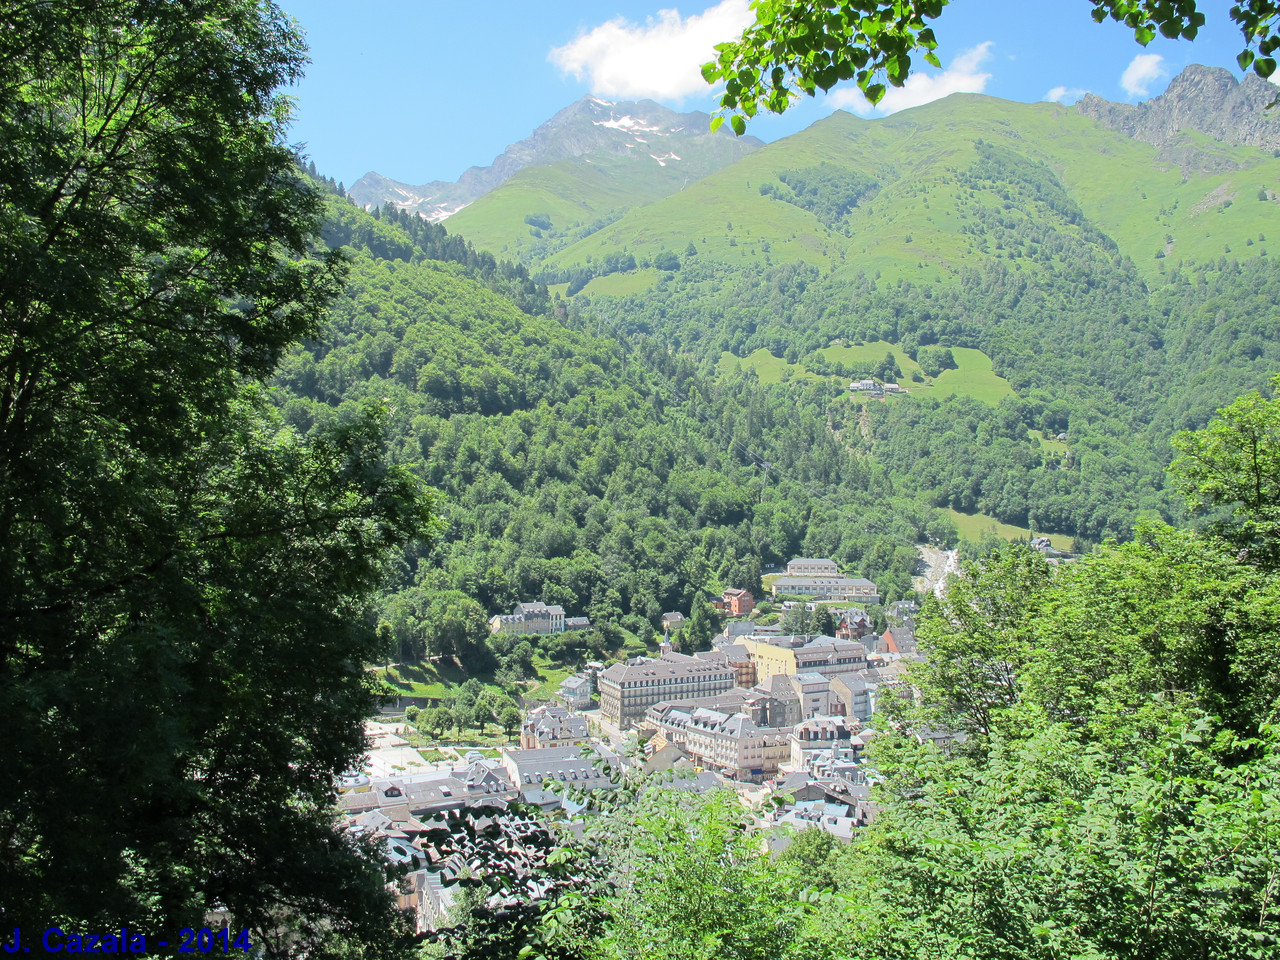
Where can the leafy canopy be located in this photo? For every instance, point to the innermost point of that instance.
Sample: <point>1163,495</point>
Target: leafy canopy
<point>183,580</point>
<point>800,46</point>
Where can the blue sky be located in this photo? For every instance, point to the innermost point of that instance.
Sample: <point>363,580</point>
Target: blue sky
<point>419,90</point>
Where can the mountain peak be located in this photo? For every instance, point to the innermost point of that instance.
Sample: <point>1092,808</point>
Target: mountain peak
<point>587,127</point>
<point>1206,100</point>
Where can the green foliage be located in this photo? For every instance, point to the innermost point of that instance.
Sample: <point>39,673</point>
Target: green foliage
<point>689,881</point>
<point>185,579</point>
<point>1235,465</point>
<point>827,191</point>
<point>510,719</point>
<point>801,46</point>
<point>933,360</point>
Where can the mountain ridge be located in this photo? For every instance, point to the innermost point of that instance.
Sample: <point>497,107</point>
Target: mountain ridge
<point>587,127</point>
<point>1200,99</point>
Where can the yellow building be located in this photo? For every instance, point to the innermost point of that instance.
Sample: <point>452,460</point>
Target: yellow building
<point>803,654</point>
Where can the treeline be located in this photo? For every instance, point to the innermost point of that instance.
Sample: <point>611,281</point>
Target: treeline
<point>602,473</point>
<point>1085,765</point>
<point>1092,349</point>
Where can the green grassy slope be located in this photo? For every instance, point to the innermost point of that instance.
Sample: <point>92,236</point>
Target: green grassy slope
<point>925,219</point>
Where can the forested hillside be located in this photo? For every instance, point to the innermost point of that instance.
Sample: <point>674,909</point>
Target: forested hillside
<point>1116,307</point>
<point>598,472</point>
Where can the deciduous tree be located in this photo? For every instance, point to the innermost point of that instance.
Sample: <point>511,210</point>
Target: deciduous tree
<point>183,579</point>
<point>801,46</point>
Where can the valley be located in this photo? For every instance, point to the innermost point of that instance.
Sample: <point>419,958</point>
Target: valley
<point>656,542</point>
<point>1048,325</point>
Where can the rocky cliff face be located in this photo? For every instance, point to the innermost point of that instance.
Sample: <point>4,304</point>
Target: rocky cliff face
<point>1205,100</point>
<point>644,130</point>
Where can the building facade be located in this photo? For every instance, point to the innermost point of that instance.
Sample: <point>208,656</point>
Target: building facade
<point>828,656</point>
<point>530,618</point>
<point>553,726</point>
<point>812,567</point>
<point>730,744</point>
<point>856,590</point>
<point>628,689</point>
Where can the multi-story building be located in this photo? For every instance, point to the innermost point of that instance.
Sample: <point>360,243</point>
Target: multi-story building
<point>813,691</point>
<point>828,656</point>
<point>854,696</point>
<point>576,768</point>
<point>811,567</point>
<point>819,733</point>
<point>763,709</point>
<point>738,603</point>
<point>628,689</point>
<point>737,657</point>
<point>858,590</point>
<point>576,692</point>
<point>527,618</point>
<point>553,726</point>
<point>731,744</point>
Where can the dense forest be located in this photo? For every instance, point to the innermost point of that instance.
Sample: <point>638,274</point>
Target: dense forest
<point>1090,348</point>
<point>598,472</point>
<point>1108,784</point>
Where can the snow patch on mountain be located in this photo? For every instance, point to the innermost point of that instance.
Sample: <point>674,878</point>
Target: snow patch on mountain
<point>629,123</point>
<point>444,213</point>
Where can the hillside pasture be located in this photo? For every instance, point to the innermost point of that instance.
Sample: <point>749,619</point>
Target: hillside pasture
<point>973,377</point>
<point>768,368</point>
<point>974,526</point>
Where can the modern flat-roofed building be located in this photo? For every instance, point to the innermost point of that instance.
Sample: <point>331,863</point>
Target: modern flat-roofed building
<point>855,589</point>
<point>812,567</point>
<point>628,689</point>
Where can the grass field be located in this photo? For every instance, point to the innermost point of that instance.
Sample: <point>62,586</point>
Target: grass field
<point>869,355</point>
<point>422,679</point>
<point>551,675</point>
<point>768,368</point>
<point>1048,445</point>
<point>973,377</point>
<point>973,526</point>
<point>622,284</point>
<point>440,680</point>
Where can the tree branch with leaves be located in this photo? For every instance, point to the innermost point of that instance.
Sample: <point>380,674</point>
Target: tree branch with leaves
<point>798,47</point>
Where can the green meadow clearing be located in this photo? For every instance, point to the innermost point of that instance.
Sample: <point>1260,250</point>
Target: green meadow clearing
<point>768,368</point>
<point>974,526</point>
<point>973,376</point>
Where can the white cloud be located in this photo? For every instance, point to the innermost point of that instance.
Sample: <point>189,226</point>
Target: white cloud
<point>961,76</point>
<point>661,58</point>
<point>1064,94</point>
<point>1144,70</point>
